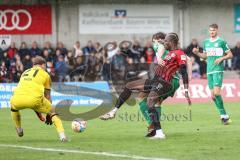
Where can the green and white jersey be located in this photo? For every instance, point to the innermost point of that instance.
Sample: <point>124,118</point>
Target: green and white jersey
<point>214,50</point>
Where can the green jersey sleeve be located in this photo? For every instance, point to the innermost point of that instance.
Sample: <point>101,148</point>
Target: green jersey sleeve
<point>225,47</point>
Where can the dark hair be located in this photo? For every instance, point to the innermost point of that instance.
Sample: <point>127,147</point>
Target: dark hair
<point>159,35</point>
<point>38,60</point>
<point>214,25</point>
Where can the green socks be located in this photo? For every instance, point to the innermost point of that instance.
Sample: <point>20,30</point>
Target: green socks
<point>144,111</point>
<point>219,103</point>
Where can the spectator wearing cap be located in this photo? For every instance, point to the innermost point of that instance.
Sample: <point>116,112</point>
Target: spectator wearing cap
<point>23,51</point>
<point>12,50</point>
<point>61,69</point>
<point>35,51</point>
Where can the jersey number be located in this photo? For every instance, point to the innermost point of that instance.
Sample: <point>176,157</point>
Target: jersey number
<point>26,73</point>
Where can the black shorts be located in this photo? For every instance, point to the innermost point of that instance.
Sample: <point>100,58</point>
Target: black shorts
<point>159,85</point>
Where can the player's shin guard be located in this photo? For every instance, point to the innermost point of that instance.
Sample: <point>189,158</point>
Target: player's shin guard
<point>123,97</point>
<point>16,118</point>
<point>154,118</point>
<point>219,104</point>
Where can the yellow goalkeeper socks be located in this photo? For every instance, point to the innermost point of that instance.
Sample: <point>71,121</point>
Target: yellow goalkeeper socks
<point>58,124</point>
<point>16,118</point>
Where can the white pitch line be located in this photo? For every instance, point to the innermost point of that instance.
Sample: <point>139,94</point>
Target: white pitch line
<point>107,154</point>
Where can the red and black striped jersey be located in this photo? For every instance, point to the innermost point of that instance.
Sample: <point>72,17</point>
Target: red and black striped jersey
<point>173,60</point>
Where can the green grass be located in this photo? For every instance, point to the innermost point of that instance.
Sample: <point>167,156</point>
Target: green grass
<point>200,136</point>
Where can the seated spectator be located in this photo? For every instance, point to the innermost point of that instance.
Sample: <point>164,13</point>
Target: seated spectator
<point>6,59</point>
<point>79,69</point>
<point>89,48</point>
<point>50,69</point>
<point>3,73</point>
<point>12,50</point>
<point>63,50</point>
<point>61,69</point>
<point>19,65</point>
<point>118,62</point>
<point>56,55</point>
<point>106,70</point>
<point>23,51</point>
<point>99,57</point>
<point>48,47</point>
<point>236,56</point>
<point>195,68</point>
<point>77,50</point>
<point>35,51</point>
<point>46,56</point>
<point>91,73</point>
<point>27,62</point>
<point>70,60</point>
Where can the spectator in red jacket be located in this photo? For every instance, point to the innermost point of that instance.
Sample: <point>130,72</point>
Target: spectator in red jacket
<point>12,50</point>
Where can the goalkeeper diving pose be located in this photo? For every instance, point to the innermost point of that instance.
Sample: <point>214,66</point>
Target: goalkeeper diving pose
<point>33,92</point>
<point>160,85</point>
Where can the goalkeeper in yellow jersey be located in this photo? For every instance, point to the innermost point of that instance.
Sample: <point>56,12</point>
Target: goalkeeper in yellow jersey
<point>33,91</point>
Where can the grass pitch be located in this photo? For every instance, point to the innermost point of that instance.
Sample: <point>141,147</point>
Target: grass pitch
<point>190,135</point>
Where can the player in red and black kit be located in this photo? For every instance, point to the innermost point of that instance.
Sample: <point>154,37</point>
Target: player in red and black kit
<point>176,60</point>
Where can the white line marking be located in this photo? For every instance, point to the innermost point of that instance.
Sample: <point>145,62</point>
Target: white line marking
<point>83,152</point>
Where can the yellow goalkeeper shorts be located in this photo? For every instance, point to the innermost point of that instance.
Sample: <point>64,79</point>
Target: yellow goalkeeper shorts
<point>39,104</point>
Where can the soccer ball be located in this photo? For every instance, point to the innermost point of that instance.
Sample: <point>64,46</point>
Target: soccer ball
<point>79,125</point>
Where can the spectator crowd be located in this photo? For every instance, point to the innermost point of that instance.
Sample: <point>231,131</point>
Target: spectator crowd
<point>93,61</point>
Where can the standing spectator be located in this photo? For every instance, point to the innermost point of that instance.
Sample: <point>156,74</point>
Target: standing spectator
<point>23,51</point>
<point>195,68</point>
<point>35,51</point>
<point>61,69</point>
<point>236,56</point>
<point>27,62</point>
<point>63,50</point>
<point>148,53</point>
<point>12,50</point>
<point>48,47</point>
<point>189,51</point>
<point>137,50</point>
<point>89,48</point>
<point>77,50</point>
